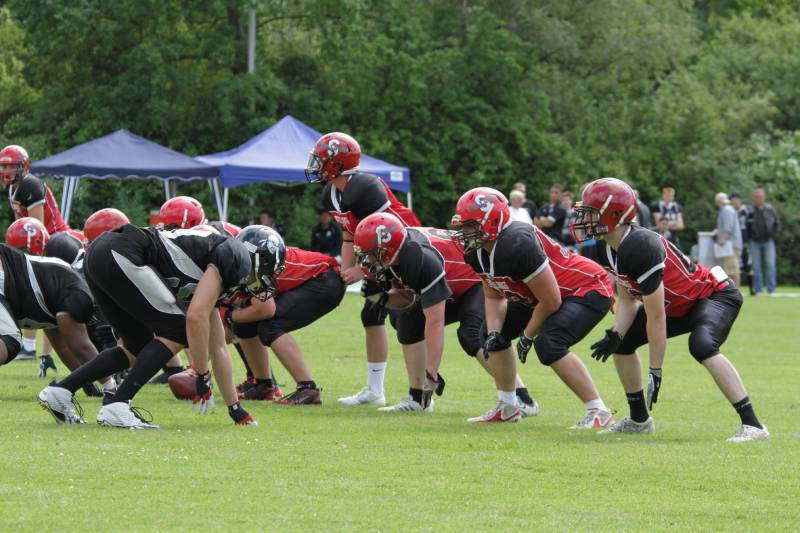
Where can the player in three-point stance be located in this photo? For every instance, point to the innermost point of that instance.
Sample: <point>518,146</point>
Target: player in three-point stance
<point>662,294</point>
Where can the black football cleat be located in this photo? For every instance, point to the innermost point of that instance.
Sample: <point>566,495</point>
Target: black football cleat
<point>161,379</point>
<point>302,396</point>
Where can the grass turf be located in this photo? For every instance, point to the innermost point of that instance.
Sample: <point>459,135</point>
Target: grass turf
<point>335,468</point>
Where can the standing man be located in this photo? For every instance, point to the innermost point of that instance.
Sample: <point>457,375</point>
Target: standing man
<point>528,204</point>
<point>662,294</point>
<point>551,217</point>
<point>326,237</point>
<point>745,217</point>
<point>670,210</point>
<point>764,227</point>
<point>728,245</point>
<point>29,197</point>
<point>643,215</point>
<point>351,196</point>
<point>538,291</point>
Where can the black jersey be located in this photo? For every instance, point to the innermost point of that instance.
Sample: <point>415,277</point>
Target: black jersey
<point>38,289</point>
<point>30,192</point>
<point>364,195</point>
<point>517,257</point>
<point>182,256</point>
<point>421,268</point>
<point>557,214</point>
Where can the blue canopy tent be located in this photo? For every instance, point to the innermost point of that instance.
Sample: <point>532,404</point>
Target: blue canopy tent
<point>279,154</point>
<point>123,155</point>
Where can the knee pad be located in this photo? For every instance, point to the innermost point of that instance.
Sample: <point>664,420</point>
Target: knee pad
<point>702,344</point>
<point>548,349</point>
<point>373,315</point>
<point>13,347</point>
<point>470,339</point>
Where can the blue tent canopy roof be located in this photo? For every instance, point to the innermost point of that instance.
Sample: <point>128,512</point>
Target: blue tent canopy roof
<point>280,154</point>
<point>123,155</point>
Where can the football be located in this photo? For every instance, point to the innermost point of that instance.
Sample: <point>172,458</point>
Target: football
<point>182,384</point>
<point>400,299</point>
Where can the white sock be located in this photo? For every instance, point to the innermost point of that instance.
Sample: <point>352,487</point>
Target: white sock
<point>29,345</point>
<point>596,404</point>
<point>375,375</point>
<point>509,397</point>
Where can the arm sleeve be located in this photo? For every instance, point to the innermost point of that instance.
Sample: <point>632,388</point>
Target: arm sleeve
<point>31,192</point>
<point>365,195</point>
<point>232,261</point>
<point>643,260</point>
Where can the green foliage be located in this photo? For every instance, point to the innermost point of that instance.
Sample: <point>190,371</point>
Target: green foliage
<point>463,92</point>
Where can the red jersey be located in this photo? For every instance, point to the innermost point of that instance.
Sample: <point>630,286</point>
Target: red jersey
<point>302,266</point>
<point>522,251</point>
<point>645,259</point>
<point>364,195</point>
<point>31,192</point>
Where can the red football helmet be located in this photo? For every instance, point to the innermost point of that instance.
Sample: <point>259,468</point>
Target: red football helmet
<point>27,234</point>
<point>605,204</point>
<point>334,154</point>
<point>377,242</point>
<point>99,222</point>
<point>481,214</point>
<point>181,212</point>
<point>14,162</point>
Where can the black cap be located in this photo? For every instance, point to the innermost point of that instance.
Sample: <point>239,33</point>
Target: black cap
<point>736,194</point>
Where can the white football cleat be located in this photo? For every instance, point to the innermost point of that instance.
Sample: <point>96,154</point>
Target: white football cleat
<point>502,412</point>
<point>122,415</point>
<point>627,425</point>
<point>595,419</point>
<point>61,403</point>
<point>528,409</point>
<point>407,405</point>
<point>363,397</point>
<point>747,433</point>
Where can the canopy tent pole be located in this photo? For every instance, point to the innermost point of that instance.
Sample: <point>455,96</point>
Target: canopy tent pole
<point>225,195</point>
<point>408,197</point>
<point>215,188</point>
<point>64,196</point>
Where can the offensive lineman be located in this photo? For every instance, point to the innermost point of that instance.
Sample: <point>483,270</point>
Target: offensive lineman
<point>662,294</point>
<point>350,196</point>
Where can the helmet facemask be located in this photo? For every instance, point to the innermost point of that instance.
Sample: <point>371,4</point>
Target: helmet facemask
<point>314,168</point>
<point>373,262</point>
<point>9,172</point>
<point>470,234</point>
<point>587,224</point>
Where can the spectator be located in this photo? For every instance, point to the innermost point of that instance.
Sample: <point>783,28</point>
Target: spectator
<point>527,204</point>
<point>551,216</point>
<point>326,237</point>
<point>662,228</point>
<point>728,245</point>
<point>643,212</point>
<point>567,203</point>
<point>671,210</point>
<point>516,200</point>
<point>267,218</point>
<point>763,229</point>
<point>745,215</point>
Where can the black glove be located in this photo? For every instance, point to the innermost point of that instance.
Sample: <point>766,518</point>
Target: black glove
<point>495,342</point>
<point>606,346</point>
<point>523,347</point>
<point>653,385</point>
<point>375,293</point>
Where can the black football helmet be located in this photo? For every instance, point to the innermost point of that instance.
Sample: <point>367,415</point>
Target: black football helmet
<point>268,256</point>
<point>67,248</point>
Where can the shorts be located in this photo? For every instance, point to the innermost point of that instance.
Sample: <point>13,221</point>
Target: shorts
<point>708,323</point>
<point>730,264</point>
<point>297,308</point>
<point>131,294</point>
<point>468,311</point>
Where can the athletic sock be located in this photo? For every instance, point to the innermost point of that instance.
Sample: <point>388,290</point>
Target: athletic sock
<point>746,413</point>
<point>152,357</point>
<point>306,384</point>
<point>266,382</point>
<point>416,395</point>
<point>29,345</point>
<point>243,358</point>
<point>522,394</point>
<point>597,404</point>
<point>375,375</point>
<point>509,397</point>
<point>106,363</point>
<point>170,370</point>
<point>637,406</point>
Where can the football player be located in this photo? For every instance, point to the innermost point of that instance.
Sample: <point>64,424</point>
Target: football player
<point>350,196</point>
<point>430,264</point>
<point>536,290</point>
<point>307,289</point>
<point>662,294</point>
<point>158,290</point>
<point>29,197</point>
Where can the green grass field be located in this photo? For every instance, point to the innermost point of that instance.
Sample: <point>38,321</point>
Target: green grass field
<point>335,468</point>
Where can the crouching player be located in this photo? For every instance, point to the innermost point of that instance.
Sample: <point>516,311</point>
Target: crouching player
<point>158,290</point>
<point>307,288</point>
<point>427,262</point>
<point>535,290</point>
<point>677,296</point>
